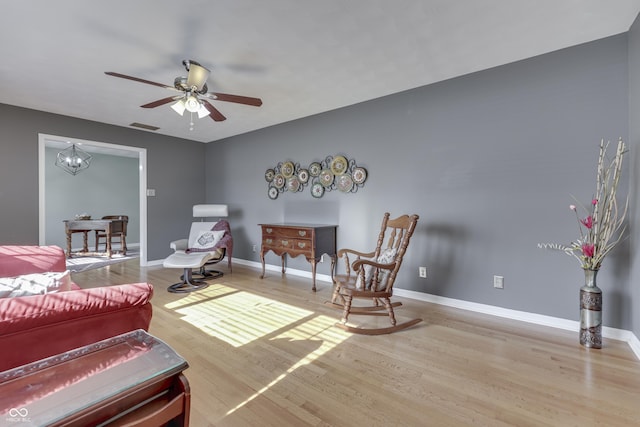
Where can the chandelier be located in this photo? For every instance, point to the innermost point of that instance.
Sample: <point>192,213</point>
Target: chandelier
<point>73,160</point>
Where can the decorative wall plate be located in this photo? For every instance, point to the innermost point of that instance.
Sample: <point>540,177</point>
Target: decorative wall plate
<point>359,175</point>
<point>315,168</point>
<point>339,165</point>
<point>279,181</point>
<point>287,169</point>
<point>326,177</point>
<point>345,183</point>
<point>269,174</point>
<point>303,175</point>
<point>317,190</point>
<point>293,184</point>
<point>273,193</point>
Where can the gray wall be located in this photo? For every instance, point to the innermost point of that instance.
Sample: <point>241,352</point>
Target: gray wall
<point>175,168</point>
<point>634,139</point>
<point>489,161</point>
<point>110,186</point>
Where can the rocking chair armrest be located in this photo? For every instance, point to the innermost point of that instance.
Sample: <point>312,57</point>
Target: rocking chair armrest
<point>343,252</point>
<point>359,263</point>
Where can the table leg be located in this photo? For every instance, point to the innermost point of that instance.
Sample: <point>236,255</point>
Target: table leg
<point>284,262</point>
<point>313,262</point>
<point>333,267</point>
<point>262,260</point>
<point>68,244</point>
<point>85,246</point>
<point>109,242</point>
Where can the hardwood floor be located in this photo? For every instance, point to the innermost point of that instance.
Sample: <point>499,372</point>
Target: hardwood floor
<point>266,353</point>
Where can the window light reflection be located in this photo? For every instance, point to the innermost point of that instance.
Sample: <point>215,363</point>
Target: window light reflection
<point>236,317</point>
<point>240,317</point>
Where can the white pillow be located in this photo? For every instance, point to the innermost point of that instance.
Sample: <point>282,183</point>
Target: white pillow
<point>385,257</point>
<point>35,284</point>
<point>198,228</point>
<point>207,239</point>
<point>368,270</point>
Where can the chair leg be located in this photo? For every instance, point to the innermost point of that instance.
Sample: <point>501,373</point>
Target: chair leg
<point>188,284</point>
<point>209,274</point>
<point>387,304</point>
<point>336,295</point>
<point>347,307</point>
<point>389,307</point>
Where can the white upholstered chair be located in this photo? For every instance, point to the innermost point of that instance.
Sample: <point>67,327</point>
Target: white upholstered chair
<point>209,242</point>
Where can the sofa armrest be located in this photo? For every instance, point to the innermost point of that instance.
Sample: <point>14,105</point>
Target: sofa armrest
<point>39,326</point>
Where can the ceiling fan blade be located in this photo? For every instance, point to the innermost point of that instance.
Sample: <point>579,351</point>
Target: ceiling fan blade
<point>214,113</point>
<point>136,79</point>
<point>246,100</point>
<point>160,102</point>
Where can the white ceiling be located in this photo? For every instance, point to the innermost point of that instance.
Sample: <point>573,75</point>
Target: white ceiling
<point>301,57</point>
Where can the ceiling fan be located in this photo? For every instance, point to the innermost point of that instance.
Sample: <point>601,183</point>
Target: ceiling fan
<point>194,94</point>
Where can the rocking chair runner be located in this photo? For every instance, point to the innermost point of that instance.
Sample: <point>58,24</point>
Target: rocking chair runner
<point>373,276</point>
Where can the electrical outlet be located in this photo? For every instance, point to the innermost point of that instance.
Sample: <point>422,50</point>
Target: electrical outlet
<point>422,272</point>
<point>498,282</point>
<point>321,258</point>
<point>254,248</point>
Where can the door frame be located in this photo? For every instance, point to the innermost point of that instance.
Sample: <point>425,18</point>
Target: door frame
<point>45,140</point>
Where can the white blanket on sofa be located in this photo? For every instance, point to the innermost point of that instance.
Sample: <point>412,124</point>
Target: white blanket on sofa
<point>35,284</point>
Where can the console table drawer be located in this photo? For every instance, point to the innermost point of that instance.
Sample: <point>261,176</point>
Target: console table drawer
<point>288,232</point>
<point>279,242</point>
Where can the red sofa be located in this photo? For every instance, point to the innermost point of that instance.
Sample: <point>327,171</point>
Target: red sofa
<point>39,326</point>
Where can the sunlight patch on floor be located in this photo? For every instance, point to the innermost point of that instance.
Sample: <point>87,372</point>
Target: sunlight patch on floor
<point>236,317</point>
<point>203,295</point>
<point>319,328</point>
<point>240,317</point>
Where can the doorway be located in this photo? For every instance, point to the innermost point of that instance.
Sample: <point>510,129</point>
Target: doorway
<point>93,147</point>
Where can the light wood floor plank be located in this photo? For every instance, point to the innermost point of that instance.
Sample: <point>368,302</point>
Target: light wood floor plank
<point>265,352</point>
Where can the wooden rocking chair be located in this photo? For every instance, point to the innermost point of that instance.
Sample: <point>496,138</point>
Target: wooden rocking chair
<point>372,274</point>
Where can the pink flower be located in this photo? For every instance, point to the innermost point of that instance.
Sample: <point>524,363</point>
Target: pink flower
<point>587,222</point>
<point>572,207</point>
<point>594,202</point>
<point>588,250</point>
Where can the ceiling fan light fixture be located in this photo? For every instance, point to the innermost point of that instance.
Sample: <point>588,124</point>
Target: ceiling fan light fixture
<point>179,107</point>
<point>198,75</point>
<point>192,104</point>
<point>202,111</point>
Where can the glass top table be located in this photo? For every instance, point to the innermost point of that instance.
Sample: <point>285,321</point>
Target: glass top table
<point>55,388</point>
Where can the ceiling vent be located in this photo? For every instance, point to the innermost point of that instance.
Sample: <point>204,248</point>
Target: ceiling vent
<point>143,126</point>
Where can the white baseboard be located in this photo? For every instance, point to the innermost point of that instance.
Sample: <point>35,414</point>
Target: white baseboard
<point>538,319</point>
<point>634,344</point>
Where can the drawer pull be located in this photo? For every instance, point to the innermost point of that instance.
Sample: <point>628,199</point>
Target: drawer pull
<point>302,245</point>
<point>269,241</point>
<point>302,233</point>
<point>285,243</point>
<point>269,230</point>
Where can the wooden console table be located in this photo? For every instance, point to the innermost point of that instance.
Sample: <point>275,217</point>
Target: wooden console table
<point>309,240</point>
<point>109,226</point>
<point>118,381</point>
